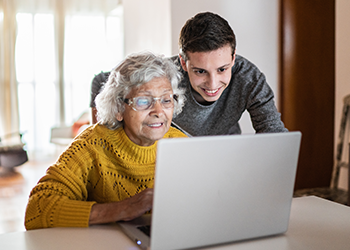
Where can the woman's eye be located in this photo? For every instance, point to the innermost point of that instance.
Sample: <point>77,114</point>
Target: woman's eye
<point>166,100</point>
<point>142,102</point>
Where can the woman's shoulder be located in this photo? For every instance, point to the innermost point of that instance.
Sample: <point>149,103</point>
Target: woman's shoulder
<point>97,132</point>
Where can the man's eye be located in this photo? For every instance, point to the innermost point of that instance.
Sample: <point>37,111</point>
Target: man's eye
<point>199,71</point>
<point>222,69</point>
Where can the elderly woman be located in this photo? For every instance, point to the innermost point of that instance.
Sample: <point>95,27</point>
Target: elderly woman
<point>107,173</point>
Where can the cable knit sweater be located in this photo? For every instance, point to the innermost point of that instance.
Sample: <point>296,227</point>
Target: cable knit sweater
<point>100,166</point>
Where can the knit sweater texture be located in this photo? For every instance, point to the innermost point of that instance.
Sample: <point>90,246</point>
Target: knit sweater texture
<point>100,166</point>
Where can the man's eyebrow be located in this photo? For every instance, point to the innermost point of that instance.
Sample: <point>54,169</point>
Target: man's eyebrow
<point>194,67</point>
<point>225,65</point>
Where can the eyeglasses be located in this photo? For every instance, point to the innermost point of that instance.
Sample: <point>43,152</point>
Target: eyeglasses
<point>142,103</point>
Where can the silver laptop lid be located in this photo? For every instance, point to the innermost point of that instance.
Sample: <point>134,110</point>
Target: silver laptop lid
<point>217,189</point>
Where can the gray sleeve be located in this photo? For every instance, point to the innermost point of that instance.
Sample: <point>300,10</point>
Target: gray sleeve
<point>96,86</point>
<point>261,107</point>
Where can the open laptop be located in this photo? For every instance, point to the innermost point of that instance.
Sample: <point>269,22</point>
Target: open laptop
<point>219,189</point>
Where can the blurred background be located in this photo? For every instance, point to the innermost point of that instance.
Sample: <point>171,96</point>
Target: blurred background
<point>50,50</point>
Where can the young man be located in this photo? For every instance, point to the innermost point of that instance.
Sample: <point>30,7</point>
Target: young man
<point>220,85</point>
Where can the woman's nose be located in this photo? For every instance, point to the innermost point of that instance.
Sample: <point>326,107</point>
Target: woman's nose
<point>157,107</point>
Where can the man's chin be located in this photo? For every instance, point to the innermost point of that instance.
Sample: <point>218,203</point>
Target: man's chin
<point>204,97</point>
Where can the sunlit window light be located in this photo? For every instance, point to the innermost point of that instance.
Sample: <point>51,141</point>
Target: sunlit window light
<point>93,43</point>
<point>35,76</point>
<point>87,54</point>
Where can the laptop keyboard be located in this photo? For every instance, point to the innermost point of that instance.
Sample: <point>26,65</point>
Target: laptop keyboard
<point>145,229</point>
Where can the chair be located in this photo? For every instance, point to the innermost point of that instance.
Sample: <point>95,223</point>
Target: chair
<point>64,135</point>
<point>11,155</point>
<point>342,161</point>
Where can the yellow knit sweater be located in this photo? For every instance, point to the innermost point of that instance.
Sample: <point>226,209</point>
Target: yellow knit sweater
<point>101,165</point>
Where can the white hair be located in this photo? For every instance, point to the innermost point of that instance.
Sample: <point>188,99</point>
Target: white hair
<point>134,71</point>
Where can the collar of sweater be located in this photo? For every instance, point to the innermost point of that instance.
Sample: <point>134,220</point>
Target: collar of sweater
<point>119,142</point>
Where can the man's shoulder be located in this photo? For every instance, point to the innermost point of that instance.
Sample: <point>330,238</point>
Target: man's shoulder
<point>244,67</point>
<point>244,62</point>
<point>175,59</point>
<point>101,77</point>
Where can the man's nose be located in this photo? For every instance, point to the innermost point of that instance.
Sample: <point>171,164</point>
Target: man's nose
<point>212,81</point>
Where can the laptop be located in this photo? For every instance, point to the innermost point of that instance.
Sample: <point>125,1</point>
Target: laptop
<point>219,189</point>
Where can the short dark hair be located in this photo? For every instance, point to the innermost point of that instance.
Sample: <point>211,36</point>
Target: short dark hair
<point>205,32</point>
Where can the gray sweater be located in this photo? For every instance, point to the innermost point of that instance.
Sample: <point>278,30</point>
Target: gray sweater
<point>248,90</point>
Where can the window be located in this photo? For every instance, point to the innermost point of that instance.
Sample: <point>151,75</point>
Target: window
<point>35,68</point>
<point>86,54</point>
<point>92,43</point>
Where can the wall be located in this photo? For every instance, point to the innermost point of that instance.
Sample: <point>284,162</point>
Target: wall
<point>147,26</point>
<point>342,72</point>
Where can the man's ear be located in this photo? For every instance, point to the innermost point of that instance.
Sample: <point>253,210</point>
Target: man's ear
<point>233,58</point>
<point>119,117</point>
<point>183,63</point>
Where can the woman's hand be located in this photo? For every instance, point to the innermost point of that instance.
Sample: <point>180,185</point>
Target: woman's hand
<point>125,210</point>
<point>138,205</point>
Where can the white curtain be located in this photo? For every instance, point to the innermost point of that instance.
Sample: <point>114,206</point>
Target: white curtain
<point>11,120</point>
<point>70,6</point>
